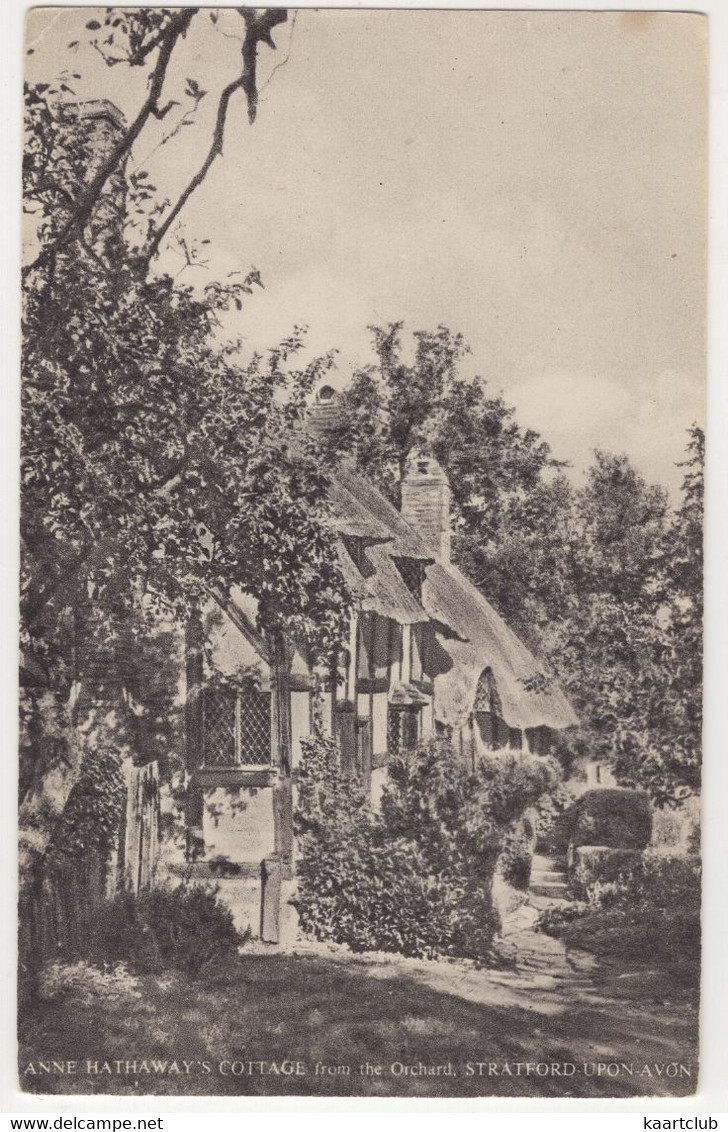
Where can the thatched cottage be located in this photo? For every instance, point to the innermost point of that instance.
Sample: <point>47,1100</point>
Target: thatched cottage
<point>427,654</point>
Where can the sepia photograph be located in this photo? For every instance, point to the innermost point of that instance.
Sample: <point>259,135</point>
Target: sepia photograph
<point>361,552</point>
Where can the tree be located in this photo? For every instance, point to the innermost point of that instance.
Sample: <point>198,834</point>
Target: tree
<point>158,463</point>
<point>149,37</point>
<point>659,747</point>
<point>601,581</point>
<point>629,647</point>
<point>495,468</point>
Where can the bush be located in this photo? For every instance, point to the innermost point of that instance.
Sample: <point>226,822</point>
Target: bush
<point>649,911</point>
<point>600,874</point>
<point>549,809</point>
<point>552,921</point>
<point>185,927</point>
<point>416,877</point>
<point>619,819</point>
<point>514,863</point>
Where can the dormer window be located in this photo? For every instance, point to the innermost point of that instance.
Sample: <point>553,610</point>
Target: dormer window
<point>412,572</point>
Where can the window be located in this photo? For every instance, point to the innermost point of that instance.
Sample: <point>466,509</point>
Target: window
<point>486,694</point>
<point>403,728</point>
<point>236,727</point>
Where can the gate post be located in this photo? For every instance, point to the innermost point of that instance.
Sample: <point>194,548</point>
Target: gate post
<point>270,899</point>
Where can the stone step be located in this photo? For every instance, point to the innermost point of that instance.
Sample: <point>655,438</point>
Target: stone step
<point>557,889</point>
<point>541,902</point>
<point>541,861</point>
<point>548,875</point>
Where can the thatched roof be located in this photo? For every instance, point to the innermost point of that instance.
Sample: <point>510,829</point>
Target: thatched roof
<point>404,542</point>
<point>472,636</point>
<point>353,518</point>
<point>359,510</point>
<point>527,697</point>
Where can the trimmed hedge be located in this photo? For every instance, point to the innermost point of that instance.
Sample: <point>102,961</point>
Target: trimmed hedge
<point>618,819</point>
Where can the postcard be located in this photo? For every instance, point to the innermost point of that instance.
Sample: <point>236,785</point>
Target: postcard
<point>361,552</point>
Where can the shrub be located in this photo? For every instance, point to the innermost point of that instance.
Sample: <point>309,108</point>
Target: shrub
<point>553,920</point>
<point>619,819</point>
<point>415,877</point>
<point>549,809</point>
<point>599,874</point>
<point>649,911</point>
<point>514,863</point>
<point>185,927</point>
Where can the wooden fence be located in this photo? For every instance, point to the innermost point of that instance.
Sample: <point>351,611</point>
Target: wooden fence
<point>139,853</point>
<point>60,916</point>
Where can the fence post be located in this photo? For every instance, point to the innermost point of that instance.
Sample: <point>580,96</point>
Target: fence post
<point>270,899</point>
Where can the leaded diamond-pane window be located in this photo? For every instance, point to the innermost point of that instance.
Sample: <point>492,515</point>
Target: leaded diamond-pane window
<point>254,728</point>
<point>237,727</point>
<point>394,731</point>
<point>219,727</point>
<point>403,727</point>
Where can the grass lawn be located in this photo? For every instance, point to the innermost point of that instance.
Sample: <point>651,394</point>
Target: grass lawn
<point>230,1034</point>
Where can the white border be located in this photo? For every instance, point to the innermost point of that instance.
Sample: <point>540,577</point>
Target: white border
<point>713,1095</point>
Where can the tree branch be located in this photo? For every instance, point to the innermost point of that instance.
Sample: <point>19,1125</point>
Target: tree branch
<point>214,151</point>
<point>177,28</point>
<point>258,29</point>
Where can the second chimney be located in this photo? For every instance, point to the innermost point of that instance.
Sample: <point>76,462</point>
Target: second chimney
<point>426,504</point>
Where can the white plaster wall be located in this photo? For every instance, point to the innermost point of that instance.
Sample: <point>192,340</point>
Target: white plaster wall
<point>300,723</point>
<point>326,712</point>
<point>379,723</point>
<point>229,649</point>
<point>238,824</point>
<point>427,721</point>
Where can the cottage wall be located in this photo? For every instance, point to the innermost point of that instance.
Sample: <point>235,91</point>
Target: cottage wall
<point>238,824</point>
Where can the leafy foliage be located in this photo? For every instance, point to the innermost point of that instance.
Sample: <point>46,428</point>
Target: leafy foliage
<point>90,819</point>
<point>600,874</point>
<point>549,810</point>
<point>620,819</point>
<point>649,911</point>
<point>516,859</point>
<point>158,462</point>
<point>396,409</point>
<point>416,876</point>
<point>186,928</point>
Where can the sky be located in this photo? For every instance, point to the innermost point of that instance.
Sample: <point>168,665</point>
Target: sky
<point>534,180</point>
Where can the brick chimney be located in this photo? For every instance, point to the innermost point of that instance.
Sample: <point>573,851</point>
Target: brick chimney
<point>97,125</point>
<point>426,503</point>
<point>324,415</point>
